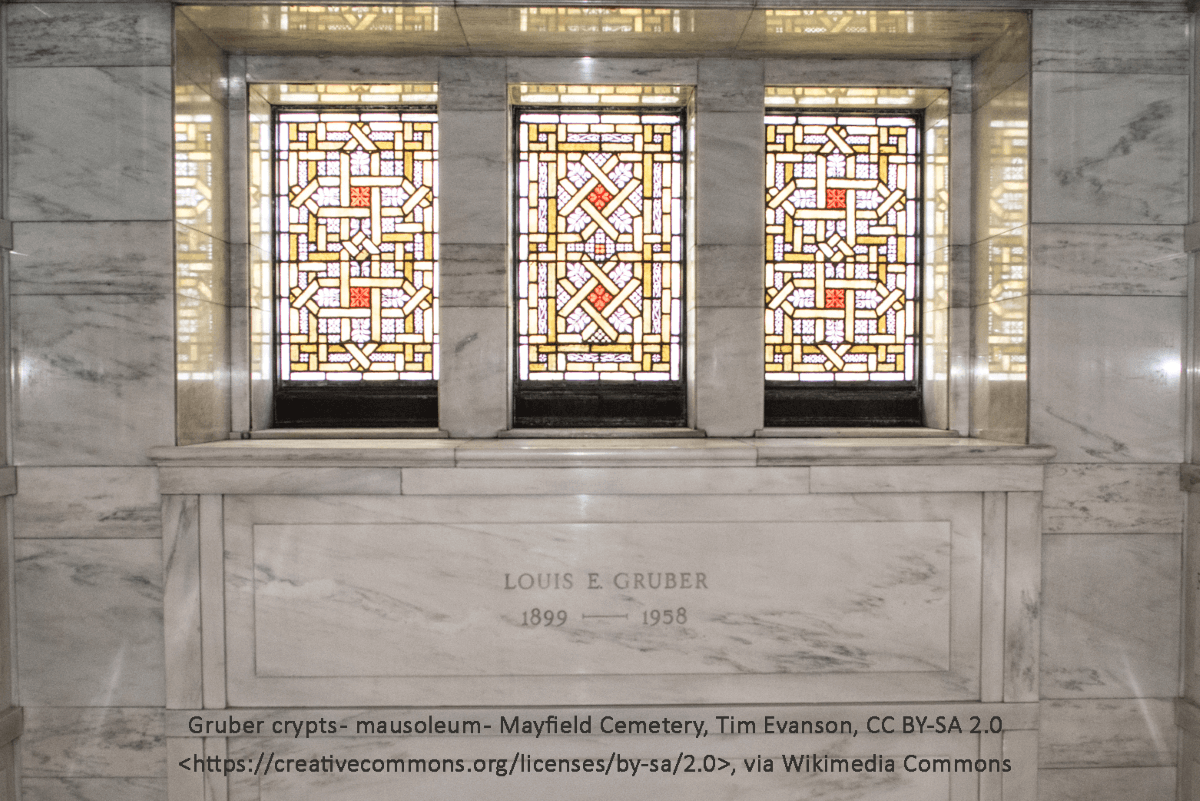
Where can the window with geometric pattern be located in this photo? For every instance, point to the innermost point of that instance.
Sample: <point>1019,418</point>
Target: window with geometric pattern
<point>843,263</point>
<point>356,266</point>
<point>599,267</point>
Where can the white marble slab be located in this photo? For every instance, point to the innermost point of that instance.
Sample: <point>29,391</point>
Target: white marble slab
<point>272,549</point>
<point>115,502</point>
<point>1108,260</point>
<point>999,402</point>
<point>90,143</point>
<point>456,602</point>
<point>1069,40</point>
<point>89,789</point>
<point>1112,499</point>
<point>729,276</point>
<point>202,400</point>
<point>1128,732</point>
<point>473,275</point>
<point>473,177</point>
<point>472,84</point>
<point>729,85</point>
<point>999,162</point>
<point>93,378</point>
<point>856,72</point>
<point>402,68</point>
<point>181,601</point>
<point>90,35</point>
<point>89,622</point>
<point>280,480</point>
<point>927,478</point>
<point>727,381</point>
<point>629,71</point>
<point>91,258</point>
<point>93,743</point>
<point>730,148</point>
<point>1108,378</point>
<point>473,389</point>
<point>1097,643</point>
<point>1106,784</point>
<point>1107,148</point>
<point>607,481</point>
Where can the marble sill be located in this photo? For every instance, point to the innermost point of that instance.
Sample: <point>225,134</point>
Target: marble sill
<point>1187,715</point>
<point>1189,477</point>
<point>8,481</point>
<point>597,452</point>
<point>12,724</point>
<point>340,433</point>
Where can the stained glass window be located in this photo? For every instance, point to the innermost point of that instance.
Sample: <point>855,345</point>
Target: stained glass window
<point>356,239</point>
<point>599,245</point>
<point>842,227</point>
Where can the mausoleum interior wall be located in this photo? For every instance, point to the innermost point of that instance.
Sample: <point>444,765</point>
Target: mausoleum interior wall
<point>95,306</point>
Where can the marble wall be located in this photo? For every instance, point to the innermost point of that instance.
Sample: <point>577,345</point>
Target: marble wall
<point>1110,97</point>
<point>1090,277</point>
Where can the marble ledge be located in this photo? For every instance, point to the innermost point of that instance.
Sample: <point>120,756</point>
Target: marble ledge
<point>596,452</point>
<point>8,481</point>
<point>12,724</point>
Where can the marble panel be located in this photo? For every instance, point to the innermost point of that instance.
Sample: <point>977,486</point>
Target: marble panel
<point>1000,66</point>
<point>960,375</point>
<point>522,785</point>
<point>728,374</point>
<point>88,789</point>
<point>1106,784</point>
<point>90,143</point>
<point>474,275</point>
<point>1108,385</point>
<point>856,72</point>
<point>181,601</point>
<point>211,582</point>
<point>1107,148</point>
<point>1108,260</point>
<point>935,368</point>
<point>472,84</point>
<point>629,71</point>
<point>1022,595</point>
<point>202,400</point>
<point>473,176</point>
<point>473,391</point>
<point>1097,643</point>
<point>729,275</point>
<point>730,147</point>
<point>1000,131</point>
<point>351,68</point>
<point>1124,732</point>
<point>630,450</point>
<point>999,403</point>
<point>198,60</point>
<point>281,480</point>
<point>926,478</point>
<point>606,481</point>
<point>91,258</point>
<point>89,622</point>
<point>729,85</point>
<point>90,35</point>
<point>1112,499</point>
<point>93,378</point>
<point>112,742</point>
<point>62,502</point>
<point>1069,40</point>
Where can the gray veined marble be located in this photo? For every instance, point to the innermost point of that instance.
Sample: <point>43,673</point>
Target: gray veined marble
<point>90,143</point>
<point>1112,499</point>
<point>89,35</point>
<point>109,742</point>
<point>111,502</point>
<point>1082,259</point>
<point>92,258</point>
<point>93,378</point>
<point>1107,784</point>
<point>1091,40</point>
<point>1117,732</point>
<point>94,789</point>
<point>89,622</point>
<point>1108,148</point>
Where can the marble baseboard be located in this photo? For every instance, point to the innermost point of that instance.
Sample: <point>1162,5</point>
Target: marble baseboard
<point>89,622</point>
<point>1112,499</point>
<point>1108,378</point>
<point>114,742</point>
<point>1128,732</point>
<point>1097,643</point>
<point>90,789</point>
<point>1066,40</point>
<point>90,143</point>
<point>1107,148</point>
<point>93,381</point>
<point>90,35</point>
<point>91,258</point>
<point>1106,784</point>
<point>112,502</point>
